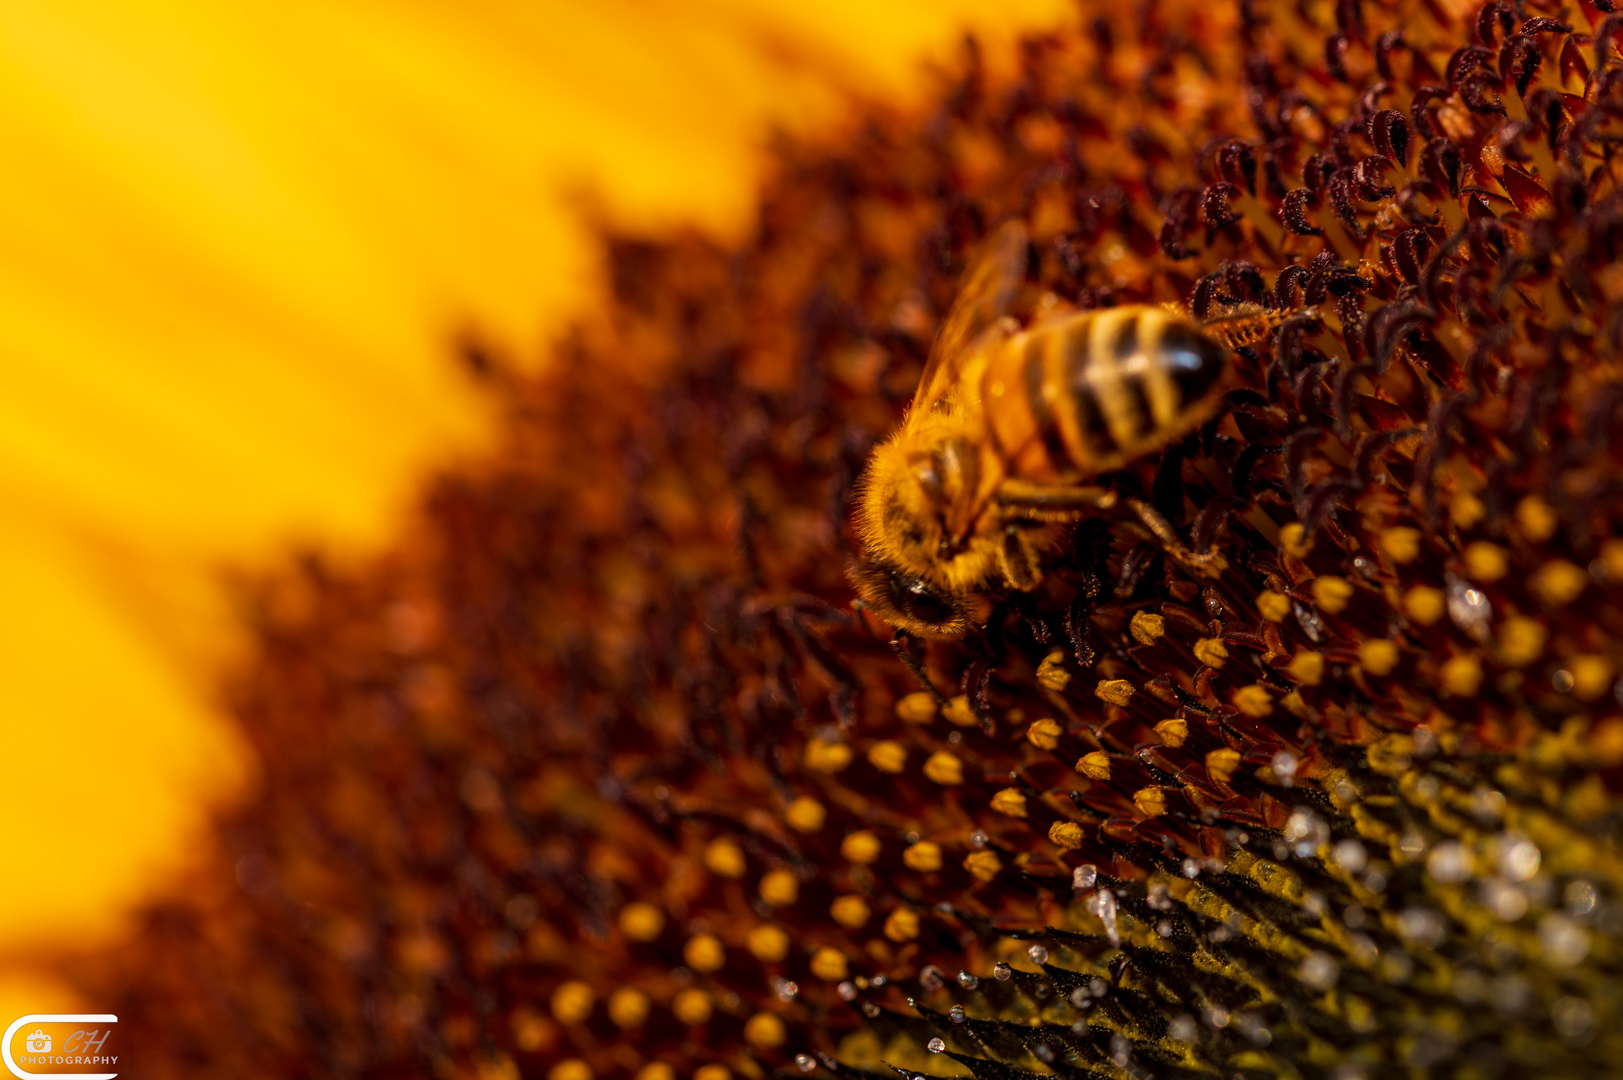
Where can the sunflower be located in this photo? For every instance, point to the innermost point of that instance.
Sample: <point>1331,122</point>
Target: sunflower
<point>1306,766</point>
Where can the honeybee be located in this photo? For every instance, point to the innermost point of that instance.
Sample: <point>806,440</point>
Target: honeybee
<point>1008,426</point>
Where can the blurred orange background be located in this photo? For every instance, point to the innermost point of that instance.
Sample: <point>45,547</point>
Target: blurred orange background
<point>235,242</point>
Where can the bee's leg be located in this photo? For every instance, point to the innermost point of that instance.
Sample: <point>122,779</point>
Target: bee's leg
<point>1209,563</point>
<point>1050,502</point>
<point>901,645</point>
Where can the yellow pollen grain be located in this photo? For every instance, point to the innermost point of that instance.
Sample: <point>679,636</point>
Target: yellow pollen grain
<point>959,712</point>
<point>780,888</point>
<point>1536,518</point>
<point>902,925</point>
<point>1173,732</point>
<point>1294,541</point>
<point>944,768</point>
<point>1254,700</point>
<point>1423,604</point>
<point>1147,629</point>
<point>713,1071</point>
<point>1460,675</point>
<point>573,1069</point>
<point>1591,676</point>
<point>983,865</point>
<point>1606,742</point>
<point>703,952</point>
<point>1044,734</point>
<point>1521,640</point>
<point>768,943</point>
<point>1378,656</point>
<point>656,1070</point>
<point>1273,606</point>
<point>1307,668</point>
<point>828,964</point>
<point>1051,673</point>
<point>924,856</point>
<point>531,1032</point>
<point>1465,510</point>
<point>1114,691</point>
<point>1094,766</point>
<point>1212,652</point>
<point>888,756</point>
<point>826,757</point>
<point>1611,557</point>
<point>849,911</point>
<point>1010,801</point>
<point>1400,543</point>
<point>805,814</point>
<point>1331,594</point>
<point>691,1006</point>
<point>916,708</point>
<point>724,859</point>
<point>572,1002</point>
<point>641,922</point>
<point>1486,562</point>
<point>1559,582</point>
<point>1066,834</point>
<point>1222,764</point>
<point>1151,801</point>
<point>861,848</point>
<point>628,1008</point>
<point>765,1031</point>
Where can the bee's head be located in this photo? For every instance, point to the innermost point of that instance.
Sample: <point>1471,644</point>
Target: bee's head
<point>908,493</point>
<point>909,602</point>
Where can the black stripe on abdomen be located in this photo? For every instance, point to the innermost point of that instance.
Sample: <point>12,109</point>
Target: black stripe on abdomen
<point>1097,441</point>
<point>1042,413</point>
<point>1194,361</point>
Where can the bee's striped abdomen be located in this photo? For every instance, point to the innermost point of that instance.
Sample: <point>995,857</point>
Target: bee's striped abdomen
<point>1090,392</point>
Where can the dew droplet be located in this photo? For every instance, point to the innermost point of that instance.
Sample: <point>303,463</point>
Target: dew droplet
<point>1421,926</point>
<point>1312,625</point>
<point>1103,904</point>
<point>1519,857</point>
<point>1038,954</point>
<point>1469,607</point>
<point>805,1062</point>
<point>936,1046</point>
<point>1507,902</point>
<point>869,1009</point>
<point>956,1014</point>
<point>1002,972</point>
<point>931,978</point>
<point>1084,876</point>
<point>1563,942</point>
<point>968,981</point>
<point>1449,862</point>
<point>1580,897</point>
<point>1319,970</point>
<point>978,839</point>
<point>1285,764</point>
<point>847,991</point>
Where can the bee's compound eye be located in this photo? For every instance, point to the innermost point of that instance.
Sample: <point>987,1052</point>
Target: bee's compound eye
<point>921,601</point>
<point>908,601</point>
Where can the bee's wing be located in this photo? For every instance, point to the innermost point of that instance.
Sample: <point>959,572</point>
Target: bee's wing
<point>995,272</point>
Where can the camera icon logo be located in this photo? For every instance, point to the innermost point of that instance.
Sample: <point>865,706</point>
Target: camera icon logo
<point>39,1042</point>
